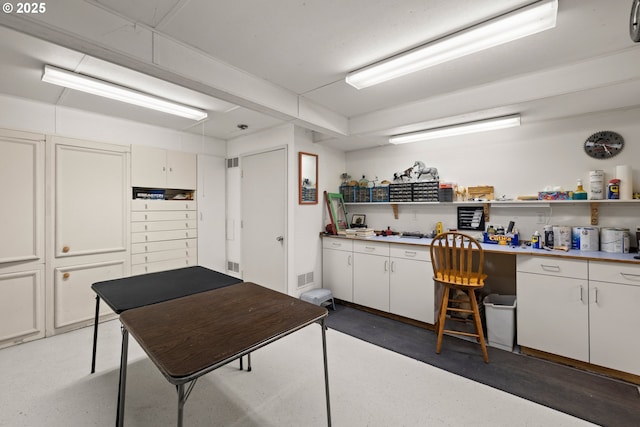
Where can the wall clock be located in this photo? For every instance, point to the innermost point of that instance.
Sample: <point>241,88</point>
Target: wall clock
<point>604,144</point>
<point>634,30</point>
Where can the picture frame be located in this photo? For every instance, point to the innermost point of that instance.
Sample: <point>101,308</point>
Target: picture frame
<point>358,220</point>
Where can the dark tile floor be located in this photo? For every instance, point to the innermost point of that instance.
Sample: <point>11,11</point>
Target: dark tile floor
<point>592,397</point>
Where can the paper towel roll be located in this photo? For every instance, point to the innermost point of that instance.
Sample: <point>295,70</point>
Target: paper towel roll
<point>624,174</point>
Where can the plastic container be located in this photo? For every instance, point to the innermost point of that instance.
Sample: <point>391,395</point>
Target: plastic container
<point>500,313</point>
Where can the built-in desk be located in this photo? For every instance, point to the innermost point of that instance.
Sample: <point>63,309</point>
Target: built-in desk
<point>577,307</point>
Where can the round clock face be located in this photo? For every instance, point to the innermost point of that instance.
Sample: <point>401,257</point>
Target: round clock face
<point>604,144</point>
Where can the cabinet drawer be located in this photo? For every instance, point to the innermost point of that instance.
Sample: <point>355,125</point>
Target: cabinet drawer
<point>552,266</point>
<point>141,248</point>
<point>410,252</point>
<point>163,256</point>
<point>137,227</point>
<point>152,267</point>
<point>156,236</point>
<point>338,244</point>
<point>373,248</point>
<point>627,274</point>
<point>162,215</point>
<point>163,205</point>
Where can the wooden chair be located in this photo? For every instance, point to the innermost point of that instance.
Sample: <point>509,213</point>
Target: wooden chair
<point>457,261</point>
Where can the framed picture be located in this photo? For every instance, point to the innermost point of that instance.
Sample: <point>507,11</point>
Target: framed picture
<point>358,220</point>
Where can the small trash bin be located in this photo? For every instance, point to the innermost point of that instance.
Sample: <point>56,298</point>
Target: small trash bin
<point>501,320</point>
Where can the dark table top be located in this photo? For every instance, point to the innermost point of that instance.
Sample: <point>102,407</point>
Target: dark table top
<point>190,336</point>
<point>137,291</point>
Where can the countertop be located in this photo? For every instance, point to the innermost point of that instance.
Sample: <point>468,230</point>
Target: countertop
<point>506,249</point>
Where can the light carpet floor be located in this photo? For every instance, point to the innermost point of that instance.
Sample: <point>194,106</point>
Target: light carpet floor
<point>47,383</point>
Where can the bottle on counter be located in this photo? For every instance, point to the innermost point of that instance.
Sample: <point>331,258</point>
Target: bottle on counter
<point>580,194</point>
<point>491,230</point>
<point>548,236</point>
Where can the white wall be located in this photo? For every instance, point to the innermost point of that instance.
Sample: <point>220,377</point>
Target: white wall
<point>22,114</point>
<point>516,161</point>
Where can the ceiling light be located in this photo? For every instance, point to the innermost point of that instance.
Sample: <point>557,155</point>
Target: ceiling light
<point>458,129</point>
<point>94,86</point>
<point>536,17</point>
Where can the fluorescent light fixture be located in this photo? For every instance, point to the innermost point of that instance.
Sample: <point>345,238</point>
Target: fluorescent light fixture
<point>531,19</point>
<point>71,80</point>
<point>458,129</point>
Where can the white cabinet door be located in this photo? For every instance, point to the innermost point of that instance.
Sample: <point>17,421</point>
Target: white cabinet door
<point>90,199</point>
<point>74,300</point>
<point>148,167</point>
<point>337,273</point>
<point>181,170</point>
<point>158,168</point>
<point>614,326</point>
<point>553,314</point>
<point>21,306</point>
<point>411,291</point>
<point>22,213</point>
<point>371,280</point>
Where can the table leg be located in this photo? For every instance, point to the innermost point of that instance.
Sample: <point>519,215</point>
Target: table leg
<point>122,386</point>
<point>183,395</point>
<point>326,368</point>
<point>95,335</point>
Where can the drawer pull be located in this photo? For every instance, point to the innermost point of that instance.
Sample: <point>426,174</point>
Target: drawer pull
<point>336,245</point>
<point>393,263</point>
<point>410,253</point>
<point>349,260</point>
<point>370,248</point>
<point>65,249</point>
<point>66,275</point>
<point>555,268</point>
<point>595,294</point>
<point>386,266</point>
<point>630,276</point>
<point>145,217</point>
<point>581,300</point>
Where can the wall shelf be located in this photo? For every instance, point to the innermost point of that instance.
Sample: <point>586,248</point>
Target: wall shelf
<point>594,205</point>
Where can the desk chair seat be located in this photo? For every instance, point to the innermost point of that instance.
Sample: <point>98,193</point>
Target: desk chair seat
<point>457,261</point>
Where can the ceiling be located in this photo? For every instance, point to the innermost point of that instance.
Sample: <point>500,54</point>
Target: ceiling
<point>264,63</point>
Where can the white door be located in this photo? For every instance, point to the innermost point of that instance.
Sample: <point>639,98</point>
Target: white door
<point>211,212</point>
<point>264,208</point>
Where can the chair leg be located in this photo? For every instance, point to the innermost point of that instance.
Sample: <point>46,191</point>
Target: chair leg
<point>478,323</point>
<point>442,318</point>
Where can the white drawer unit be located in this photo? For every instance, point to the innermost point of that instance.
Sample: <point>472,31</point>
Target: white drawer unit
<point>553,266</point>
<point>163,235</point>
<point>371,248</point>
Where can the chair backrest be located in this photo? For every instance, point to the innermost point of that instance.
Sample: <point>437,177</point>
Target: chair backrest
<point>457,258</point>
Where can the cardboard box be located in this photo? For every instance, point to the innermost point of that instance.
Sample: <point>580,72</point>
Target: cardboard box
<point>501,239</point>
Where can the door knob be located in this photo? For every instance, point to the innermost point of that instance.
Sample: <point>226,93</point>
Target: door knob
<point>279,238</point>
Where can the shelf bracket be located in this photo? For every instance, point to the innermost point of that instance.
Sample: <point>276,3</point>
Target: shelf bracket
<point>394,206</point>
<point>594,212</point>
<point>487,210</point>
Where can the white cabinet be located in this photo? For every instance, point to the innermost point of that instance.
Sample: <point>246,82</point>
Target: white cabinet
<point>337,268</point>
<point>411,289</point>
<point>22,225</point>
<point>89,227</point>
<point>21,305</point>
<point>552,309</point>
<point>614,295</point>
<point>158,168</point>
<point>163,235</point>
<point>371,266</point>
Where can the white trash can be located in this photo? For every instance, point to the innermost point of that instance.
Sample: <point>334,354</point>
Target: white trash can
<point>500,313</point>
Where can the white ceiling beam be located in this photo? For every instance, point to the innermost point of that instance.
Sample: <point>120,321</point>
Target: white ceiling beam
<point>111,38</point>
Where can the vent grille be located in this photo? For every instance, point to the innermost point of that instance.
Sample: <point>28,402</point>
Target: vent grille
<point>232,163</point>
<point>233,266</point>
<point>305,279</point>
